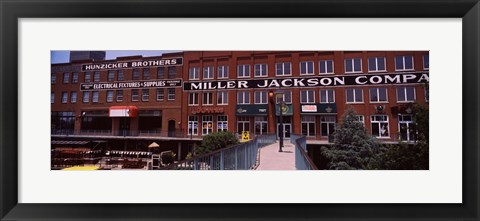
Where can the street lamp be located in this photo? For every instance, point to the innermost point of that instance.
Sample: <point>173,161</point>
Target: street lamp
<point>281,104</point>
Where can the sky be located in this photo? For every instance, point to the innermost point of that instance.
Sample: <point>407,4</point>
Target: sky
<point>63,56</point>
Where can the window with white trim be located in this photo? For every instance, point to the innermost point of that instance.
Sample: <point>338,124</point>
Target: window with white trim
<point>286,97</point>
<point>426,62</point>
<point>193,99</point>
<point>194,73</point>
<point>145,94</point>
<point>95,97</point>
<point>87,77</point>
<point>207,124</point>
<point>283,69</point>
<point>111,76</point>
<point>208,72</point>
<point>136,74</point>
<point>406,127</point>
<point>52,98</point>
<point>64,97</point>
<point>134,94</point>
<point>119,96</point>
<point>243,70</point>
<point>260,97</point>
<point>307,96</point>
<point>325,66</point>
<point>53,78</point>
<point>306,68</point>
<point>193,125</point>
<point>261,70</point>
<point>327,96</point>
<point>404,63</point>
<point>380,126</point>
<point>222,71</point>
<point>120,75</point>
<point>146,74</point>
<point>261,125</point>
<point>353,65</point>
<point>308,126</point>
<point>73,97</point>
<point>406,94</point>
<point>160,94</point>
<point>96,76</point>
<point>207,98</point>
<point>222,97</point>
<point>360,118</point>
<point>222,123</point>
<point>243,124</point>
<point>171,94</point>
<point>172,72</point>
<point>427,94</point>
<point>243,97</point>
<point>378,95</point>
<point>354,95</point>
<point>66,78</point>
<point>109,96</point>
<point>86,96</point>
<point>327,125</point>
<point>160,73</point>
<point>376,64</point>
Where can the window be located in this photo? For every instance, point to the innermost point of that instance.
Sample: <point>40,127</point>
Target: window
<point>86,96</point>
<point>120,75</point>
<point>325,66</point>
<point>52,98</point>
<point>306,67</point>
<point>243,71</point>
<point>73,97</point>
<point>261,70</point>
<point>222,123</point>
<point>160,73</point>
<point>87,77</point>
<point>376,64</point>
<point>406,127</point>
<point>223,71</point>
<point>145,94</point>
<point>243,97</point>
<point>119,95</point>
<point>283,68</point>
<point>171,94</point>
<point>207,124</point>
<point>354,95</point>
<point>327,125</point>
<point>172,72</point>
<point>307,96</point>
<point>134,95</point>
<point>64,97</point>
<point>360,118</point>
<point>193,125</point>
<point>109,96</point>
<point>75,77</point>
<point>405,94</point>
<point>327,96</point>
<point>160,94</point>
<point>208,72</point>
<point>136,74</point>
<point>260,97</point>
<point>404,63</point>
<point>308,126</point>
<point>146,74</point>
<point>427,94</point>
<point>96,76</point>
<point>193,99</point>
<point>111,75</point>
<point>53,78</point>
<point>353,65</point>
<point>426,62</point>
<point>194,73</point>
<point>261,125</point>
<point>379,126</point>
<point>378,94</point>
<point>222,97</point>
<point>95,97</point>
<point>66,78</point>
<point>207,98</point>
<point>243,124</point>
<point>286,97</point>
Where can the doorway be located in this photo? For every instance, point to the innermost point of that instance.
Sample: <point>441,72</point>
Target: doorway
<point>171,128</point>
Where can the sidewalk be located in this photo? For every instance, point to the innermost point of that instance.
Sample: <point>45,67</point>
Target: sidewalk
<point>271,159</point>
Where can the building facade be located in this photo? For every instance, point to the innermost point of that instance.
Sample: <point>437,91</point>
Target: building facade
<point>194,93</point>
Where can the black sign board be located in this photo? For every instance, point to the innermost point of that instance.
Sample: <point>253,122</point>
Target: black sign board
<point>133,64</point>
<point>334,80</point>
<point>131,85</point>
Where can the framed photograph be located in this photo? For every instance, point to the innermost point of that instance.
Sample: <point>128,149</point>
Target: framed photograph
<point>239,110</point>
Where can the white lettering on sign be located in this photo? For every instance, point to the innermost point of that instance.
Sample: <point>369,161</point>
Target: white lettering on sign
<point>309,108</point>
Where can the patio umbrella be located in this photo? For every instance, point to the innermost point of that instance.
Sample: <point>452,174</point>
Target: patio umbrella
<point>153,145</point>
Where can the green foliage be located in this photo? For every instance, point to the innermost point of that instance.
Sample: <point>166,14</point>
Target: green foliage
<point>216,141</point>
<point>354,148</point>
<point>167,157</point>
<point>405,156</point>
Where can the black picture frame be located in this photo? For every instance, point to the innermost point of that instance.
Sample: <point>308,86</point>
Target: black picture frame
<point>11,11</point>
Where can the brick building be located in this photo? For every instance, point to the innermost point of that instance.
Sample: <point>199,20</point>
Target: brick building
<point>190,94</point>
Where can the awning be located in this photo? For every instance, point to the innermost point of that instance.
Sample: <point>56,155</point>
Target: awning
<point>70,142</point>
<point>252,110</point>
<point>128,152</point>
<point>318,109</point>
<point>123,111</point>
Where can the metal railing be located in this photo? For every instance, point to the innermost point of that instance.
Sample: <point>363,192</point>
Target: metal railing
<point>239,157</point>
<point>302,160</point>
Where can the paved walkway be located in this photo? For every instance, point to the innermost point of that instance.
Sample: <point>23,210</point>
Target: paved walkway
<point>271,159</point>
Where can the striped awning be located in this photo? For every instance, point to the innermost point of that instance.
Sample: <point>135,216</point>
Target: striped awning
<point>142,153</point>
<point>70,142</point>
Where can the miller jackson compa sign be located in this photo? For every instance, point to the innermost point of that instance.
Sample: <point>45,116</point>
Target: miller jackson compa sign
<point>339,80</point>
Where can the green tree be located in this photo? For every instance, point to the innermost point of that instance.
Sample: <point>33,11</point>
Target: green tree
<point>215,141</point>
<point>354,148</point>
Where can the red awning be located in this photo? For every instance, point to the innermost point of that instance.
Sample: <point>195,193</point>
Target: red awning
<point>123,111</point>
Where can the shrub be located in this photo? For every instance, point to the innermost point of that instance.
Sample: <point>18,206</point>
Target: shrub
<point>168,157</point>
<point>215,141</point>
